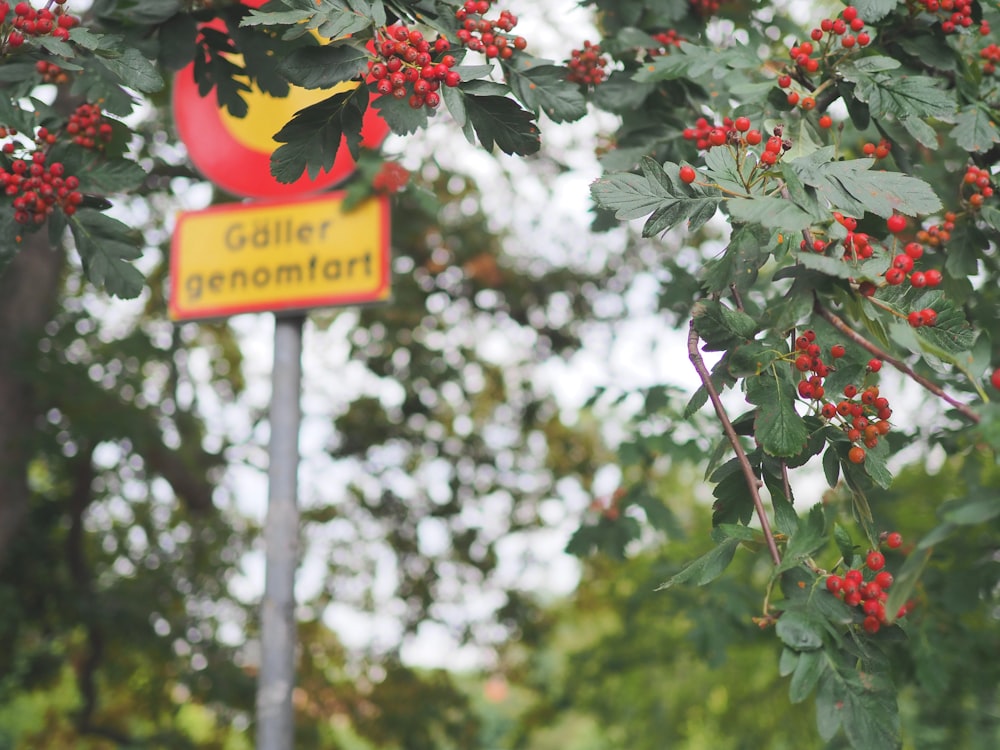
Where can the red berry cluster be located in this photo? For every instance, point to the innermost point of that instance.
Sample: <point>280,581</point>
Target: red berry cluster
<point>706,8</point>
<point>706,135</point>
<point>391,178</point>
<point>489,36</point>
<point>88,127</point>
<point>50,72</point>
<point>868,587</point>
<point>587,65</point>
<point>848,28</point>
<point>937,234</point>
<point>857,245</point>
<point>902,269</point>
<point>666,40</point>
<point>37,188</point>
<point>979,181</point>
<point>31,22</point>
<point>879,151</point>
<point>991,58</point>
<point>406,67</point>
<point>864,415</point>
<point>954,15</point>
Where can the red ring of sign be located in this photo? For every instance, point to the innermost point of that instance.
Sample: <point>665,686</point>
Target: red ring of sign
<point>244,171</point>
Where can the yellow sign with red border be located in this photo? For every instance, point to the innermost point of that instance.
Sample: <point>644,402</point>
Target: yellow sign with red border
<point>297,255</point>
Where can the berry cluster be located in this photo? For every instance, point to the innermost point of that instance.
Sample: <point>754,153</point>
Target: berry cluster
<point>587,65</point>
<point>979,181</point>
<point>937,234</point>
<point>37,188</point>
<point>868,587</point>
<point>902,269</point>
<point>706,8</point>
<point>28,21</point>
<point>666,40</point>
<point>88,127</point>
<point>50,72</point>
<point>879,151</point>
<point>991,58</point>
<point>954,15</point>
<point>857,245</point>
<point>706,135</point>
<point>863,414</point>
<point>391,178</point>
<point>406,67</point>
<point>489,36</point>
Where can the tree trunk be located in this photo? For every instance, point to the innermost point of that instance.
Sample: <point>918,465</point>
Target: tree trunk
<point>29,289</point>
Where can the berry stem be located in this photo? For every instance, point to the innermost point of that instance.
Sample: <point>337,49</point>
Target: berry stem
<point>753,483</point>
<point>864,343</point>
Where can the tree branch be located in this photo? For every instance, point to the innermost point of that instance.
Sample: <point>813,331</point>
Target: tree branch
<point>753,483</point>
<point>899,364</point>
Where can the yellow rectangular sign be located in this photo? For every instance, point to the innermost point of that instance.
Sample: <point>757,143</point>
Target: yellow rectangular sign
<point>256,257</point>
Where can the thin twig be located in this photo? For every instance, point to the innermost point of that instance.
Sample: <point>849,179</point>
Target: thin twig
<point>785,484</point>
<point>904,368</point>
<point>753,483</point>
<point>737,298</point>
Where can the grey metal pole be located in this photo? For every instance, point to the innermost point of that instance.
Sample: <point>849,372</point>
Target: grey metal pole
<point>275,725</point>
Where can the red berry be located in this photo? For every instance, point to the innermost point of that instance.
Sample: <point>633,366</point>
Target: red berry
<point>856,455</point>
<point>884,580</point>
<point>826,122</point>
<point>874,365</point>
<point>834,584</point>
<point>896,223</point>
<point>894,540</point>
<point>995,378</point>
<point>837,351</point>
<point>872,624</point>
<point>753,137</point>
<point>875,560</point>
<point>742,124</point>
<point>784,81</point>
<point>688,174</point>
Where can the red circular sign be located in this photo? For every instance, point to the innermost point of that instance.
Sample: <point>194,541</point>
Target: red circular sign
<point>235,153</point>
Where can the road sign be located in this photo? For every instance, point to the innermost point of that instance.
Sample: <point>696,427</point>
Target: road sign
<point>257,257</point>
<point>235,152</point>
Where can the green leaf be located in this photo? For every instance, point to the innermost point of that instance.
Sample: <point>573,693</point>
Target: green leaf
<point>778,428</point>
<point>313,136</point>
<point>799,631</point>
<point>970,510</point>
<point>706,568</point>
<point>721,327</point>
<point>619,93</point>
<point>773,213</point>
<point>544,88</point>
<point>831,466</point>
<point>132,69</point>
<point>829,707</point>
<point>899,96</point>
<point>112,176</point>
<point>807,673</point>
<point>105,245</point>
<point>874,10</point>
<point>324,67</point>
<point>876,464</point>
<point>808,540</point>
<point>975,129</point>
<point>905,581</point>
<point>852,187</point>
<point>499,121</point>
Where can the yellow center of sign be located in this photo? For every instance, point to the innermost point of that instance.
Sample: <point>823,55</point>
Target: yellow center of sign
<point>266,114</point>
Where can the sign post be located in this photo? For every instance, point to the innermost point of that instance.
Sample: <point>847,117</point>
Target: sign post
<point>275,726</point>
<point>284,258</point>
